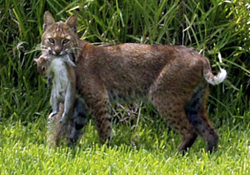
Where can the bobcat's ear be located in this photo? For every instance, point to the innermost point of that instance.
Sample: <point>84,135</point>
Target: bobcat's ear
<point>48,20</point>
<point>72,22</point>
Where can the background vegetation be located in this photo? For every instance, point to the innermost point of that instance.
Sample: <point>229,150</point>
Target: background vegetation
<point>218,29</point>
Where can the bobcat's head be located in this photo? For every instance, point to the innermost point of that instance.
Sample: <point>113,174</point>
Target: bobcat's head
<point>60,38</point>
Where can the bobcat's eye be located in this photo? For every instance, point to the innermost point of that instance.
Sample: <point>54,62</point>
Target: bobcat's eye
<point>51,40</point>
<point>65,41</point>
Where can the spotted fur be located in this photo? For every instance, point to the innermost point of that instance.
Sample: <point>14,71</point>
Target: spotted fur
<point>173,78</point>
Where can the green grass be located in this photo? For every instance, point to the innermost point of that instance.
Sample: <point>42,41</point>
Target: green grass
<point>218,29</point>
<point>144,150</point>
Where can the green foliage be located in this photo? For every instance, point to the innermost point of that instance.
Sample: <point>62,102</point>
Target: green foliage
<point>218,29</point>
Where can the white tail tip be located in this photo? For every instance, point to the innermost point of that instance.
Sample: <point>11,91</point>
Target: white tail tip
<point>220,77</point>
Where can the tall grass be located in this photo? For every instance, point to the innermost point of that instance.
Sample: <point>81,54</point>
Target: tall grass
<point>217,29</point>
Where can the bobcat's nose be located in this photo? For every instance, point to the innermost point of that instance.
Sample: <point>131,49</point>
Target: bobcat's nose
<point>57,50</point>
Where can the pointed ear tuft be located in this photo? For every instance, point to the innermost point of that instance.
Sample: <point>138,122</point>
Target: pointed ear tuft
<point>72,22</point>
<point>48,20</point>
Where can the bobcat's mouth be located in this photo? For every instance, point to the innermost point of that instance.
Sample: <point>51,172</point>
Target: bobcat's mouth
<point>62,53</point>
<point>57,53</point>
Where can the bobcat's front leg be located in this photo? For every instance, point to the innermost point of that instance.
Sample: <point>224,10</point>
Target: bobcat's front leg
<point>101,107</point>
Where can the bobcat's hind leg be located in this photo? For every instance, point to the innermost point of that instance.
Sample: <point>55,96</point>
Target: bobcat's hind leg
<point>195,110</point>
<point>173,112</point>
<point>203,127</point>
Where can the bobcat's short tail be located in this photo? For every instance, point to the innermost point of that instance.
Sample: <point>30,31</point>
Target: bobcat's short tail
<point>216,79</point>
<point>211,78</point>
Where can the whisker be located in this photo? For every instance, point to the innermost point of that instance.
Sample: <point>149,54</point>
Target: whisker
<point>74,49</point>
<point>41,46</point>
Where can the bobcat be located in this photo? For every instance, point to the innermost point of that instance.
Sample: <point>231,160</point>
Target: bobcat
<point>173,78</point>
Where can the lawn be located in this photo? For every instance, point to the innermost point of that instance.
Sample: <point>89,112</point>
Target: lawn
<point>144,149</point>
